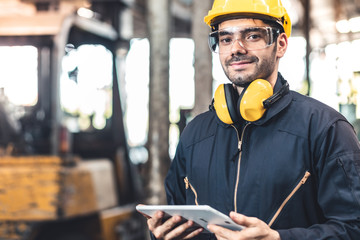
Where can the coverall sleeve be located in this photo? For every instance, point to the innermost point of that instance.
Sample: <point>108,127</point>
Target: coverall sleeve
<point>174,182</point>
<point>337,173</point>
<point>174,187</point>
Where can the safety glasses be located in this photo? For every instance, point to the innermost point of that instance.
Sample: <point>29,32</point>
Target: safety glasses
<point>250,38</point>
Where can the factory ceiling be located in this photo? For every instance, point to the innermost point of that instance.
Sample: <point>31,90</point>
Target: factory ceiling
<point>325,21</point>
<point>317,18</point>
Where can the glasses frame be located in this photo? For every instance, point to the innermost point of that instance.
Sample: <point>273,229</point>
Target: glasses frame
<point>213,45</point>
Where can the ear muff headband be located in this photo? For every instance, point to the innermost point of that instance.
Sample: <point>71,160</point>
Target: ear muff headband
<point>232,97</point>
<point>271,100</point>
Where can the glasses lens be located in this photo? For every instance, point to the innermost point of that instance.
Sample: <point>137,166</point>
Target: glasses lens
<point>251,38</point>
<point>255,38</point>
<point>214,42</point>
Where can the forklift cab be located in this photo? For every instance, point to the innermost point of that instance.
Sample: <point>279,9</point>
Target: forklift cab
<point>71,122</point>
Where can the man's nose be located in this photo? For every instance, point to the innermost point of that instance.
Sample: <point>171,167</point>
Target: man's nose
<point>237,47</point>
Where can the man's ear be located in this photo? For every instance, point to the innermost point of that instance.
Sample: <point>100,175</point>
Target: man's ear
<point>282,43</point>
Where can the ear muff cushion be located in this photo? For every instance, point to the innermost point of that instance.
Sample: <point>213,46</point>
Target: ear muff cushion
<point>224,103</point>
<point>251,104</point>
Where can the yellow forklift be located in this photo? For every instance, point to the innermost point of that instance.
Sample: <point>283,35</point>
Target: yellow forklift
<point>65,172</point>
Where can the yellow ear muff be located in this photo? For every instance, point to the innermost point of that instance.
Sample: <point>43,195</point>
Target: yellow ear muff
<point>223,103</point>
<point>251,104</point>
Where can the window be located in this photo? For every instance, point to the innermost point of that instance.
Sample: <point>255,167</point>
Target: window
<point>19,75</point>
<point>86,88</point>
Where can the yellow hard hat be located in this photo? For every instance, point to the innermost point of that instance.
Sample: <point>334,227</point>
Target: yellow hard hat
<point>270,8</point>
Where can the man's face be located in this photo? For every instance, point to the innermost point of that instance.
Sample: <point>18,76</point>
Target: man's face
<point>243,66</point>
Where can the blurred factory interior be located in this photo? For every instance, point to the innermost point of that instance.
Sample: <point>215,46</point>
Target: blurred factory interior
<point>95,93</point>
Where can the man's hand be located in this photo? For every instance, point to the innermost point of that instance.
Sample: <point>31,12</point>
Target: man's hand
<point>171,229</point>
<point>254,229</point>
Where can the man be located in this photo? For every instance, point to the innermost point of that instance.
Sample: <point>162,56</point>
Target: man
<point>290,170</point>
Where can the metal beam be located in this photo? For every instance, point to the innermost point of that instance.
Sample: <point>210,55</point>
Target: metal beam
<point>158,137</point>
<point>203,57</point>
<point>306,29</point>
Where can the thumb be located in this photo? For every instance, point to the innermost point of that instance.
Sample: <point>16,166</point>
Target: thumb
<point>242,219</point>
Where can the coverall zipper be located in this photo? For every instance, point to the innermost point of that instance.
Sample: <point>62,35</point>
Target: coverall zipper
<point>298,186</point>
<point>239,161</point>
<point>188,184</point>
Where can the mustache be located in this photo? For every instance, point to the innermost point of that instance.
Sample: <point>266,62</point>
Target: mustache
<point>237,58</point>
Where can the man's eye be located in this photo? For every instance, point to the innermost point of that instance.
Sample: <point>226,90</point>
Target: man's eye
<point>227,40</point>
<point>253,37</point>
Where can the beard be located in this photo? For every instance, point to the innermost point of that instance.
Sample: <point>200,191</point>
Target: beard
<point>262,70</point>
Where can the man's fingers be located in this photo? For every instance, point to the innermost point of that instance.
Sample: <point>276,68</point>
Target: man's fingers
<point>220,232</point>
<point>171,228</point>
<point>244,220</point>
<point>193,233</point>
<point>160,229</point>
<point>183,231</point>
<point>155,220</point>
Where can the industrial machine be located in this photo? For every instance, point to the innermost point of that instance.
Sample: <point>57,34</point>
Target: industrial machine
<point>65,171</point>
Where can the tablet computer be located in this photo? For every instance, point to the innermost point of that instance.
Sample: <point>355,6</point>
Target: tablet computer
<point>201,215</point>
